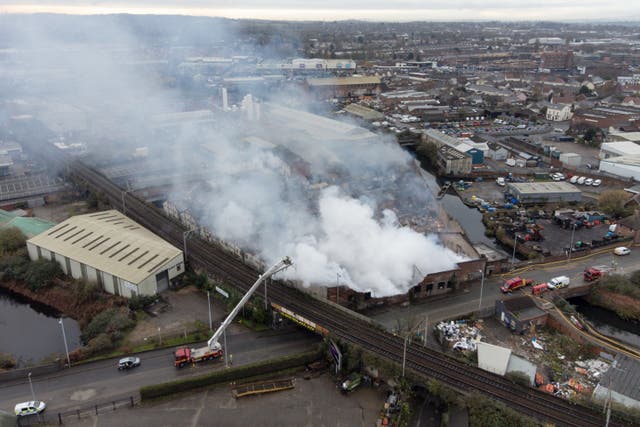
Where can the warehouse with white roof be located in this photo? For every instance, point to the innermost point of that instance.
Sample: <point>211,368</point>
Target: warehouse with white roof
<point>110,249</point>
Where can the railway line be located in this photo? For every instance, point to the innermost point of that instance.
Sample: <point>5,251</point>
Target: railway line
<point>424,362</point>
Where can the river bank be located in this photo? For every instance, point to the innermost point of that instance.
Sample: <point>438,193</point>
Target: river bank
<point>625,306</point>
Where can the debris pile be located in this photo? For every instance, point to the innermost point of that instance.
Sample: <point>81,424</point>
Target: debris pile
<point>583,379</point>
<point>458,335</point>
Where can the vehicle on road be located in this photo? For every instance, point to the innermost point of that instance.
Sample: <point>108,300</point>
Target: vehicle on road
<point>213,350</point>
<point>622,250</point>
<point>352,382</point>
<point>594,273</point>
<point>596,182</point>
<point>540,288</point>
<point>128,363</point>
<point>559,282</point>
<point>515,283</point>
<point>29,408</point>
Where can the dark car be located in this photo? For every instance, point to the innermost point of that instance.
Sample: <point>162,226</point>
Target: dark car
<point>128,363</point>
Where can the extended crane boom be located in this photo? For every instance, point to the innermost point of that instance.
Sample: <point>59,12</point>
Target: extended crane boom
<point>281,265</point>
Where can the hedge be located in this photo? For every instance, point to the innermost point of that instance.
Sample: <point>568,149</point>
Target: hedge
<point>228,375</point>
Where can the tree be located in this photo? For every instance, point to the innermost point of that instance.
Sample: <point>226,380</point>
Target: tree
<point>613,202</point>
<point>11,239</point>
<point>427,153</point>
<point>41,273</point>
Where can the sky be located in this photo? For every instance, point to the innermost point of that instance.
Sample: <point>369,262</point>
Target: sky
<point>329,10</point>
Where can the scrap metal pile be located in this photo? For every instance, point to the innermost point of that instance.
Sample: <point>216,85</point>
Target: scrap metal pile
<point>459,335</point>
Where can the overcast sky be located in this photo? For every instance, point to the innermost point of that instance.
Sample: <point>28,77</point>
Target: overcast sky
<point>378,10</point>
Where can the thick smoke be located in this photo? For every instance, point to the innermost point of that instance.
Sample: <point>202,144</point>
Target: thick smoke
<point>335,197</point>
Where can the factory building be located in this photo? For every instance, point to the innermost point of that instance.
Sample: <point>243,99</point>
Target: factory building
<point>618,148</point>
<point>620,383</point>
<point>454,162</point>
<point>344,87</point>
<point>109,249</point>
<point>622,166</point>
<point>545,192</point>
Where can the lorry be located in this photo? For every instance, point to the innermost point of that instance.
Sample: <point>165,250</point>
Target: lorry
<point>594,273</point>
<point>515,283</point>
<point>213,350</point>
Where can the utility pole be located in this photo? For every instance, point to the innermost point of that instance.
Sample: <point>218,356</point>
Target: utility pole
<point>515,243</point>
<point>426,329</point>
<point>64,337</point>
<point>571,244</point>
<point>481,289</point>
<point>209,305</point>
<point>404,352</point>
<point>33,395</point>
<point>185,234</point>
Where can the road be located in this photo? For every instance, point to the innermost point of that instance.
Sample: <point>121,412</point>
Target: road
<point>100,382</point>
<point>468,299</point>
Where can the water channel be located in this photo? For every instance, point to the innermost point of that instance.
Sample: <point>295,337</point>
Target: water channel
<point>31,332</point>
<point>608,323</point>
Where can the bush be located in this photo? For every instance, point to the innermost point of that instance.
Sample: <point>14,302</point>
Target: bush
<point>113,321</point>
<point>100,344</point>
<point>13,267</point>
<point>7,361</point>
<point>41,274</point>
<point>84,292</point>
<point>138,302</point>
<point>11,239</point>
<point>486,412</point>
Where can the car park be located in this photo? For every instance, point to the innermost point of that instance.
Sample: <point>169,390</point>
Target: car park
<point>29,408</point>
<point>596,182</point>
<point>588,181</point>
<point>128,363</point>
<point>622,250</point>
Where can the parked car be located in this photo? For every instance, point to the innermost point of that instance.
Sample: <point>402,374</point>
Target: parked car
<point>588,181</point>
<point>597,182</point>
<point>29,408</point>
<point>128,363</point>
<point>574,179</point>
<point>581,180</point>
<point>622,250</point>
<point>500,181</point>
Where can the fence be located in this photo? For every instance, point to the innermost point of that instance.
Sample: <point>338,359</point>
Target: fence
<point>68,417</point>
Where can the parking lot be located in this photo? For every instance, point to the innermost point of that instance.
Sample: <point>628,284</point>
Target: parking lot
<point>556,238</point>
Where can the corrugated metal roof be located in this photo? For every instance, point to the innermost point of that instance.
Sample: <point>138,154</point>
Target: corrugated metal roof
<point>340,81</point>
<point>110,242</point>
<point>625,377</point>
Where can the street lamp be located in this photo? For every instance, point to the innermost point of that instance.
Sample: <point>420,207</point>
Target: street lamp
<point>33,395</point>
<point>64,337</point>
<point>185,234</point>
<point>209,305</point>
<point>481,289</point>
<point>571,244</point>
<point>338,287</point>
<point>515,243</point>
<point>124,205</point>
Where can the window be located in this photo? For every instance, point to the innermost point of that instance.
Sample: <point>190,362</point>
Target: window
<point>449,285</point>
<point>416,289</point>
<point>178,267</point>
<point>441,285</point>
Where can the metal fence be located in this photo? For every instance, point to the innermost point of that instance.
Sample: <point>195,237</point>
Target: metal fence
<point>68,417</point>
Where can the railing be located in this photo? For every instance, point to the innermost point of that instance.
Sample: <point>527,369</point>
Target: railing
<point>69,417</point>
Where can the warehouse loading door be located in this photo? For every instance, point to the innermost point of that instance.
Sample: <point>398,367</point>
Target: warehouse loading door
<point>162,281</point>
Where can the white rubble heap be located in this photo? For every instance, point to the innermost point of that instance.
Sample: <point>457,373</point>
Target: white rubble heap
<point>459,335</point>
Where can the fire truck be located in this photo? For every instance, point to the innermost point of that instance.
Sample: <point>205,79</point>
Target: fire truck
<point>213,350</point>
<point>515,283</point>
<point>594,273</point>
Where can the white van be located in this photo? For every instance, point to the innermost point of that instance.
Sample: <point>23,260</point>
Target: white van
<point>574,179</point>
<point>500,181</point>
<point>559,282</point>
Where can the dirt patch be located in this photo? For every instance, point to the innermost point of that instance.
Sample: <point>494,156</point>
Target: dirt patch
<point>62,298</point>
<point>625,306</point>
<point>60,212</point>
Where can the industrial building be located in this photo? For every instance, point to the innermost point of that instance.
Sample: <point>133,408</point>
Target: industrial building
<point>545,192</point>
<point>109,249</point>
<point>618,148</point>
<point>519,313</point>
<point>454,162</point>
<point>622,166</point>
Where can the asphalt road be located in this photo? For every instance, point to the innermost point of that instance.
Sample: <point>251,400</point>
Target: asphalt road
<point>100,382</point>
<point>467,300</point>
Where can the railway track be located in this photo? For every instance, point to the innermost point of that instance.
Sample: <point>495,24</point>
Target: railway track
<point>425,362</point>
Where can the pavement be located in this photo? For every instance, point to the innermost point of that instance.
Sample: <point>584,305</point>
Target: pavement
<point>314,402</point>
<point>467,299</point>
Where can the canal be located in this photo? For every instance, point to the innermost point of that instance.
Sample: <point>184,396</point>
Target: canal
<point>31,332</point>
<point>608,323</point>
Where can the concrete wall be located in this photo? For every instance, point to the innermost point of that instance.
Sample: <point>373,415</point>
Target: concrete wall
<point>33,251</point>
<point>76,271</point>
<point>148,286</point>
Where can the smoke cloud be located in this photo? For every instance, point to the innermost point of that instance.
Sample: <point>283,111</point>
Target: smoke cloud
<point>344,203</point>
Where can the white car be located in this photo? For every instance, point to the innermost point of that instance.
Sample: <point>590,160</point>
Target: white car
<point>588,181</point>
<point>29,408</point>
<point>581,180</point>
<point>574,179</point>
<point>559,282</point>
<point>622,250</point>
<point>597,182</point>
